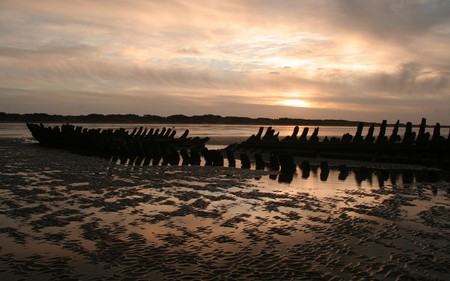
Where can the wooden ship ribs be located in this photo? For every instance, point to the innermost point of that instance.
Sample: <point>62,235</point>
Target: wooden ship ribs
<point>155,146</point>
<point>411,148</point>
<point>142,145</point>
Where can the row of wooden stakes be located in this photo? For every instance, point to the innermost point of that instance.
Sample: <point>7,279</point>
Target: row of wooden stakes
<point>422,148</point>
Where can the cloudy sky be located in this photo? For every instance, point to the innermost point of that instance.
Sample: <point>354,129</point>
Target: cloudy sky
<point>339,59</point>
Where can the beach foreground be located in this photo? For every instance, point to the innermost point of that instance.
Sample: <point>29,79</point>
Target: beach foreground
<point>71,217</point>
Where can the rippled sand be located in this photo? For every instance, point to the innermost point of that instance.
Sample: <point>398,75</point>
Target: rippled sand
<point>65,216</point>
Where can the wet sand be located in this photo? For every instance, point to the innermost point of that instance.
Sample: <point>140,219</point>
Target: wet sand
<point>70,217</point>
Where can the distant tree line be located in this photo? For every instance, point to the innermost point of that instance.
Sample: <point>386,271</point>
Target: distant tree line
<point>172,119</point>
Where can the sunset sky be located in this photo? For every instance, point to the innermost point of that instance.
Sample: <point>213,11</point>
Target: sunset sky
<point>335,59</point>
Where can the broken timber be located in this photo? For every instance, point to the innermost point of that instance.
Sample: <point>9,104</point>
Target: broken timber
<point>422,148</point>
<point>141,145</point>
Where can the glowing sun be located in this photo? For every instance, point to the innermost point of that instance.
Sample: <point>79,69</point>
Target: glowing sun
<point>295,103</point>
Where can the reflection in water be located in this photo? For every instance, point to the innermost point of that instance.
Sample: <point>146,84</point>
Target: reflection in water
<point>286,177</point>
<point>324,174</point>
<point>306,169</point>
<point>395,177</point>
<point>382,176</point>
<point>343,172</point>
<point>434,190</point>
<point>324,170</point>
<point>314,169</point>
<point>362,174</point>
<point>408,177</point>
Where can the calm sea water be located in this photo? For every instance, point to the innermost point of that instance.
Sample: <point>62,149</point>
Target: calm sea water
<point>221,135</point>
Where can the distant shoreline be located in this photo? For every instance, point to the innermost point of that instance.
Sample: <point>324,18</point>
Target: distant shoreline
<point>177,119</point>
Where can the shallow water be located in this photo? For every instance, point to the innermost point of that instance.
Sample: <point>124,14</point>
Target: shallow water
<point>221,134</point>
<point>66,216</point>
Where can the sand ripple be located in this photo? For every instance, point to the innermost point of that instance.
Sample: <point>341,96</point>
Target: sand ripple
<point>69,217</point>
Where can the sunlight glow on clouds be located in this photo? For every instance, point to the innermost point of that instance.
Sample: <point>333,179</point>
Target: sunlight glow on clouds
<point>294,103</point>
<point>366,60</point>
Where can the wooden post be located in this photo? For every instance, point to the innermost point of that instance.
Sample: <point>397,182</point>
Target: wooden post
<point>304,135</point>
<point>305,166</point>
<point>358,136</point>
<point>274,163</point>
<point>381,136</point>
<point>245,161</point>
<point>436,133</point>
<point>287,163</point>
<point>314,137</point>
<point>194,157</point>
<point>409,136</point>
<point>369,137</point>
<point>394,136</point>
<point>231,159</point>
<point>259,162</point>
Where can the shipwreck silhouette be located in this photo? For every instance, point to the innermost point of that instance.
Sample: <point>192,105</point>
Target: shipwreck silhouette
<point>145,146</point>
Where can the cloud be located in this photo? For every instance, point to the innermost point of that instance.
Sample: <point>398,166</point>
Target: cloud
<point>411,79</point>
<point>341,56</point>
<point>401,21</point>
<point>188,51</point>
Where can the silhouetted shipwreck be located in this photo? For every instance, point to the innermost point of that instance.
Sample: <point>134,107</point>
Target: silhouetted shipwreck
<point>411,148</point>
<point>142,145</point>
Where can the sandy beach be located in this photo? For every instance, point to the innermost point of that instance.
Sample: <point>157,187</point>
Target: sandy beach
<point>71,217</point>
